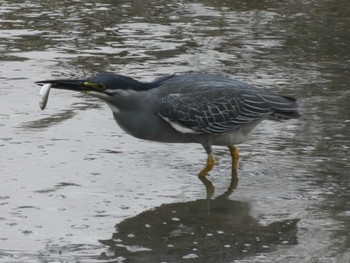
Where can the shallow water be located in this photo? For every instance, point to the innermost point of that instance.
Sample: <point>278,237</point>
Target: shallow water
<point>74,187</point>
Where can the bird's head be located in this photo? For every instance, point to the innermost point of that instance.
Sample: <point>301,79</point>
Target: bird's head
<point>103,85</point>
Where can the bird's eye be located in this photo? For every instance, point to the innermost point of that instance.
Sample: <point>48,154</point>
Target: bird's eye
<point>99,86</point>
<point>96,86</point>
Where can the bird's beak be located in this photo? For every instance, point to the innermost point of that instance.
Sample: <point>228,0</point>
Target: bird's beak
<point>75,85</point>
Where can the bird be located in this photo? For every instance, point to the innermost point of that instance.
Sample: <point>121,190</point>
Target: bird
<point>187,107</point>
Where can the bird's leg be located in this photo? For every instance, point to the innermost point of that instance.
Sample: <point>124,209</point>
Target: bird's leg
<point>234,155</point>
<point>234,177</point>
<point>209,166</point>
<point>202,175</point>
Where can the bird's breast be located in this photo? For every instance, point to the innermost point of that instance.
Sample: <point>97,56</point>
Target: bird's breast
<point>149,126</point>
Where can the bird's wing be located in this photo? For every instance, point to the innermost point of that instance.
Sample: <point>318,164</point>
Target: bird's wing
<point>213,111</point>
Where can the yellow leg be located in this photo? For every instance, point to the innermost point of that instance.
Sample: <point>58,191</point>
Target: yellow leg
<point>234,155</point>
<point>208,167</point>
<point>202,175</point>
<point>234,178</point>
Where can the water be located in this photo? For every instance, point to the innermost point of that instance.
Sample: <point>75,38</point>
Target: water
<point>75,188</point>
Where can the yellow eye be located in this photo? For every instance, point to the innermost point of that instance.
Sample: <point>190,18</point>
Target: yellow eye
<point>100,86</point>
<point>96,86</point>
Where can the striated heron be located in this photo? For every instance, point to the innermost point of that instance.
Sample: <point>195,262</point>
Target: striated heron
<point>187,108</point>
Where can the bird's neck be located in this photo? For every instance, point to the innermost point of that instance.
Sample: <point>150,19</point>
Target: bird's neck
<point>130,124</point>
<point>129,111</point>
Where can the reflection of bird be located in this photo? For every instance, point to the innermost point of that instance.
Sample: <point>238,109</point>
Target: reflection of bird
<point>187,108</point>
<point>216,230</point>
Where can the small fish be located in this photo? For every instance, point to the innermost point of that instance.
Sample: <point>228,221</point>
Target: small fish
<point>44,95</point>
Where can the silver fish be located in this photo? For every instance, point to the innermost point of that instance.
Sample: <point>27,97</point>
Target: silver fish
<point>44,95</point>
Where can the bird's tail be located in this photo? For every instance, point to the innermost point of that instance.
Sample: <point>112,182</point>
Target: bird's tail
<point>281,116</point>
<point>284,107</point>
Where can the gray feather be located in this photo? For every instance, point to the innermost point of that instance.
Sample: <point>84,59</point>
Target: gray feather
<point>207,104</point>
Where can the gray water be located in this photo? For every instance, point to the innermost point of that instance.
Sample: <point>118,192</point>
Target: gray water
<point>75,188</point>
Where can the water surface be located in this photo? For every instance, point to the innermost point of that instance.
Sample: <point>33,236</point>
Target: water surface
<point>74,187</point>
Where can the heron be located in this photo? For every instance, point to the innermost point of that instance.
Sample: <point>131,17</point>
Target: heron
<point>190,107</point>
